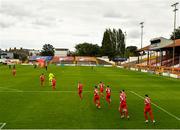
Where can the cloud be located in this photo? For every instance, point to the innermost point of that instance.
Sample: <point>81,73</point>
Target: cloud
<point>115,14</point>
<point>67,22</point>
<point>5,25</point>
<point>80,35</point>
<point>48,22</point>
<point>42,23</point>
<point>7,21</point>
<point>15,10</point>
<point>133,34</point>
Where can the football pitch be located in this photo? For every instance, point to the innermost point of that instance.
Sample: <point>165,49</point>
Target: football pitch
<point>24,104</point>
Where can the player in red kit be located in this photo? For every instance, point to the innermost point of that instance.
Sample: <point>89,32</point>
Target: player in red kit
<point>42,79</point>
<point>14,71</point>
<point>147,109</point>
<point>108,95</point>
<point>101,88</point>
<point>96,97</point>
<point>80,89</point>
<point>123,105</point>
<point>53,83</point>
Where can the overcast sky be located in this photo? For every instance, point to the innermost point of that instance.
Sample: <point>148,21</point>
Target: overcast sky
<point>64,23</point>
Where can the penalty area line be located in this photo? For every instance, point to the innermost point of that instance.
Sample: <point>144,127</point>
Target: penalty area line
<point>2,126</point>
<point>162,109</point>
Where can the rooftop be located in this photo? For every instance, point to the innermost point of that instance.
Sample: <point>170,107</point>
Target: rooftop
<point>167,45</point>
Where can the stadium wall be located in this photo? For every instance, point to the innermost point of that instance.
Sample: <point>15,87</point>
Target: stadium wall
<point>161,71</point>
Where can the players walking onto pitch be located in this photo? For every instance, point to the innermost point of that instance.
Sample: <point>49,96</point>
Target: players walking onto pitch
<point>147,109</point>
<point>42,79</point>
<point>123,105</point>
<point>96,97</point>
<point>80,89</point>
<point>108,95</point>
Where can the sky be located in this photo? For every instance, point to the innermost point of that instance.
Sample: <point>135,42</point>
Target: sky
<point>65,23</point>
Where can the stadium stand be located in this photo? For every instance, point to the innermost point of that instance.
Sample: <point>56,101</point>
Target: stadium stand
<point>158,58</point>
<point>161,49</point>
<point>103,62</point>
<point>81,60</point>
<point>78,60</point>
<point>63,60</point>
<point>35,58</point>
<point>55,60</point>
<point>66,60</point>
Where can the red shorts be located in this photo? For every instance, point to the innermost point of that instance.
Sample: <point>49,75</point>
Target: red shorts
<point>96,97</point>
<point>42,80</point>
<point>147,109</point>
<point>108,96</point>
<point>80,91</point>
<point>101,90</point>
<point>53,85</point>
<point>123,105</point>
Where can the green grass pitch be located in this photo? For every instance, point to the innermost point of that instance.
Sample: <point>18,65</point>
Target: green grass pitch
<point>24,104</point>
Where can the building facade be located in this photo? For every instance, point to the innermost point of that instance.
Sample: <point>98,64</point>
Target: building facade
<point>6,55</point>
<point>61,52</point>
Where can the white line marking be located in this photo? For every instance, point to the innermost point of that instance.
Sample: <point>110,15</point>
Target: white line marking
<point>53,91</point>
<point>12,89</point>
<point>157,106</point>
<point>2,126</point>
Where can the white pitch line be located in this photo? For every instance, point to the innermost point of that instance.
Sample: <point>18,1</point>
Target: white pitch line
<point>53,91</point>
<point>12,89</point>
<point>157,106</point>
<point>2,126</point>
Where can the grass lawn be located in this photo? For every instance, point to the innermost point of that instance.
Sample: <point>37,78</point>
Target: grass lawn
<point>24,104</point>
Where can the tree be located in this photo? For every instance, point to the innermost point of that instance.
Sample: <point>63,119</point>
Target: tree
<point>71,53</point>
<point>131,51</point>
<point>177,34</point>
<point>21,54</point>
<point>22,57</point>
<point>107,48</point>
<point>113,43</point>
<point>87,49</point>
<point>47,50</point>
<point>120,43</point>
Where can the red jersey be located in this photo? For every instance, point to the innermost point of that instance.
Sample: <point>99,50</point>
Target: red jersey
<point>53,82</point>
<point>80,87</point>
<point>101,86</point>
<point>122,98</point>
<point>147,102</point>
<point>96,92</point>
<point>124,94</point>
<point>42,78</point>
<point>108,91</point>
